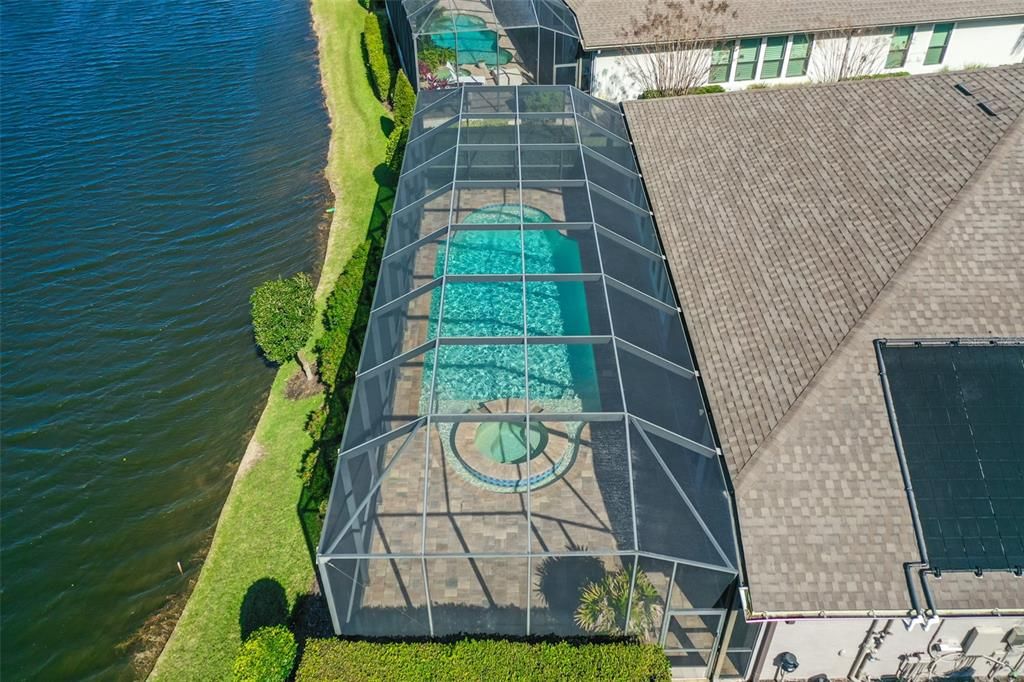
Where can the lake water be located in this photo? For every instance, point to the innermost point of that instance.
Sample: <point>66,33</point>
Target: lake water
<point>159,159</point>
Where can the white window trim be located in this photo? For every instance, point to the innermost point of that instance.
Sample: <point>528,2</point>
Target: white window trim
<point>734,58</point>
<point>785,57</point>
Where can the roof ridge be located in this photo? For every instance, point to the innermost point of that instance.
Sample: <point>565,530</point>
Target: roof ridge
<point>1013,131</point>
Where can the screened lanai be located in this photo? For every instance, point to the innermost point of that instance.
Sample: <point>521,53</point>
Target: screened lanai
<point>446,43</point>
<point>526,420</point>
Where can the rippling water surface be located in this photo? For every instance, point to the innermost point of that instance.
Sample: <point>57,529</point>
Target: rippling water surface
<point>159,159</point>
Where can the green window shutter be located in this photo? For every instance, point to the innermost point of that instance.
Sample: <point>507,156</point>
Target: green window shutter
<point>774,51</point>
<point>898,46</point>
<point>799,54</point>
<point>721,61</point>
<point>938,44</point>
<point>746,60</point>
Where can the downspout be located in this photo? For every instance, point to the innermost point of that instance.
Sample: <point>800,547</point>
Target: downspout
<point>871,644</point>
<point>862,652</point>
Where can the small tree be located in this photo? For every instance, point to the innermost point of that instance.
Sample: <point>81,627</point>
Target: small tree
<point>282,317</point>
<point>670,45</point>
<point>843,53</point>
<point>605,603</point>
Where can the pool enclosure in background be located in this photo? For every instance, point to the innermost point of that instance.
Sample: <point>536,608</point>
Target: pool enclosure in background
<point>445,43</point>
<point>526,421</point>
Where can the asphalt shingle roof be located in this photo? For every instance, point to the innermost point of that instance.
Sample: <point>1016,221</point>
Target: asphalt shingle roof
<point>606,23</point>
<point>800,225</point>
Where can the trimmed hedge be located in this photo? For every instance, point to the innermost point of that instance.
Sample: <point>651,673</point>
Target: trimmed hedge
<point>380,69</point>
<point>339,316</point>
<point>404,98</point>
<point>334,659</point>
<point>395,150</point>
<point>267,656</point>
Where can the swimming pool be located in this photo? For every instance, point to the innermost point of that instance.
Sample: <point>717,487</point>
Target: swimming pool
<point>561,376</point>
<point>470,37</point>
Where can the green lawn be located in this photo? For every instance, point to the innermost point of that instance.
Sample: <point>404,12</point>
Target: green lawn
<point>259,535</point>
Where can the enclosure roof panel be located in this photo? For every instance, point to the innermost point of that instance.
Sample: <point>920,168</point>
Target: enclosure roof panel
<point>611,23</point>
<point>871,209</point>
<point>525,386</point>
<point>469,16</point>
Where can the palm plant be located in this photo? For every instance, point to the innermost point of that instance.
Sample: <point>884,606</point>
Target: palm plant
<point>604,606</point>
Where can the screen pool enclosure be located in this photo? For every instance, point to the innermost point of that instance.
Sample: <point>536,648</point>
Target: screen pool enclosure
<point>527,439</point>
<point>447,43</point>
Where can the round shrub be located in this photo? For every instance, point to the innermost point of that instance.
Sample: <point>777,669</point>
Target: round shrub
<point>267,656</point>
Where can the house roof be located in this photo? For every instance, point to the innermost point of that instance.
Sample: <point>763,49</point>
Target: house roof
<point>606,23</point>
<point>800,225</point>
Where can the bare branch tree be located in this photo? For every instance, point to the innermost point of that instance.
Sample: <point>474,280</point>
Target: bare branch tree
<point>669,46</point>
<point>843,53</point>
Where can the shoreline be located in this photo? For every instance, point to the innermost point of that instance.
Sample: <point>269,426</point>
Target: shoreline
<point>271,452</point>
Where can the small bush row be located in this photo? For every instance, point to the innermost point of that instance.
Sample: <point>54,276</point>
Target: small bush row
<point>701,90</point>
<point>876,76</point>
<point>345,318</point>
<point>268,655</point>
<point>332,659</point>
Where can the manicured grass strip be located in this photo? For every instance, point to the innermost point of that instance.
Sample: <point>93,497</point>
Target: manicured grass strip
<point>331,659</point>
<point>259,535</point>
<point>358,135</point>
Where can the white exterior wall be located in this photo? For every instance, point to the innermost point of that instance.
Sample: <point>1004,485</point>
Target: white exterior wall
<point>991,42</point>
<point>988,42</point>
<point>830,647</point>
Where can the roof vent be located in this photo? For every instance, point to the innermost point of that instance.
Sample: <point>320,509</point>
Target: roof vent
<point>987,109</point>
<point>962,89</point>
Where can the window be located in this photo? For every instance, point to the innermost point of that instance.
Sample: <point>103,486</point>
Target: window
<point>746,60</point>
<point>897,57</point>
<point>774,51</point>
<point>939,43</point>
<point>721,63</point>
<point>799,55</point>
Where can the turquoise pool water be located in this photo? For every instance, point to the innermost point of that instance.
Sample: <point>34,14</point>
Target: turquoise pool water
<point>562,377</point>
<point>469,35</point>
